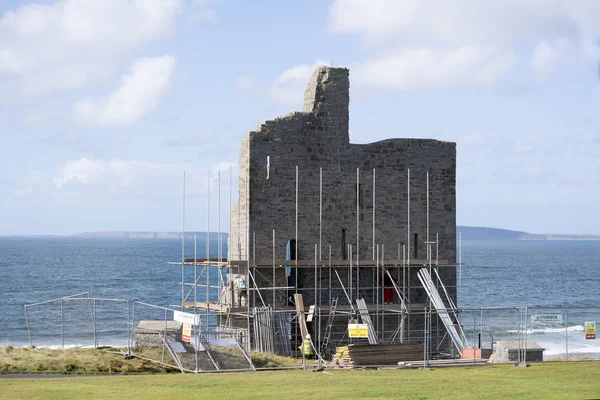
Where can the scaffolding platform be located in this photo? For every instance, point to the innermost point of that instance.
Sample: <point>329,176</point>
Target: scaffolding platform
<point>224,308</point>
<point>327,263</point>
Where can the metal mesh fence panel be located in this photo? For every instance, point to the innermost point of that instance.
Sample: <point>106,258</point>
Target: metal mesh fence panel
<point>78,321</point>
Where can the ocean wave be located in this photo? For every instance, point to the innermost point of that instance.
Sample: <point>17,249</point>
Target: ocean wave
<point>574,328</point>
<point>573,350</point>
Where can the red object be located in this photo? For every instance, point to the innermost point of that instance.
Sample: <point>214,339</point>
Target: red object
<point>590,336</point>
<point>388,295</point>
<point>388,288</point>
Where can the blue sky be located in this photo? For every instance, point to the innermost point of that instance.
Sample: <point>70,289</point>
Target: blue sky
<point>104,103</point>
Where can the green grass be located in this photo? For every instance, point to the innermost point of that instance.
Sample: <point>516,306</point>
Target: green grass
<point>560,380</point>
<point>540,381</point>
<point>88,361</point>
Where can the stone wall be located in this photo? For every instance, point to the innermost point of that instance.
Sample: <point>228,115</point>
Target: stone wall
<point>316,139</point>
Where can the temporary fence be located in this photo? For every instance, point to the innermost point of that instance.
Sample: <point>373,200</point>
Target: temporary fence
<point>185,341</point>
<point>180,340</point>
<point>553,333</point>
<point>79,321</point>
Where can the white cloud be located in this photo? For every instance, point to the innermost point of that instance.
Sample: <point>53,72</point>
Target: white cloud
<point>422,68</point>
<point>69,44</point>
<point>139,93</point>
<point>110,174</point>
<point>547,32</point>
<point>289,86</point>
<point>546,57</point>
<point>201,10</point>
<point>113,176</point>
<point>460,22</point>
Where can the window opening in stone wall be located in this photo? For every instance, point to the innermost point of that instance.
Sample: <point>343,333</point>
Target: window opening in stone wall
<point>290,273</point>
<point>344,252</point>
<point>361,202</point>
<point>360,199</point>
<point>268,166</point>
<point>416,247</point>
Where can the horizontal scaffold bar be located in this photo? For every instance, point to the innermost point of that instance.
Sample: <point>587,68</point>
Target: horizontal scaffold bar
<point>335,263</point>
<point>200,262</point>
<point>224,308</point>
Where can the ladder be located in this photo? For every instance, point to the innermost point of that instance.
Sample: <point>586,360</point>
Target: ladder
<point>441,308</point>
<point>366,319</point>
<point>330,319</point>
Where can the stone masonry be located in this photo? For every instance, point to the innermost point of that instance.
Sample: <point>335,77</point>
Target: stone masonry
<point>318,138</point>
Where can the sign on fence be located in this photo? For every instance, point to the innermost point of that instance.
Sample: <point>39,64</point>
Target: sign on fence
<point>590,329</point>
<point>186,333</point>
<point>186,318</point>
<point>545,318</point>
<point>358,331</point>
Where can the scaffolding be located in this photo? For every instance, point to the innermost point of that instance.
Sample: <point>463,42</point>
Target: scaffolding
<point>257,299</point>
<point>265,322</point>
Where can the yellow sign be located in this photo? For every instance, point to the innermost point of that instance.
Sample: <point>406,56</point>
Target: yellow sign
<point>186,333</point>
<point>358,331</point>
<point>590,329</point>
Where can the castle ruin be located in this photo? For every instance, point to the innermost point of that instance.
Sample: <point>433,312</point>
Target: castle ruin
<point>328,219</point>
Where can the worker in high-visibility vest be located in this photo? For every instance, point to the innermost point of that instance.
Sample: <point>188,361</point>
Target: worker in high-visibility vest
<point>306,347</point>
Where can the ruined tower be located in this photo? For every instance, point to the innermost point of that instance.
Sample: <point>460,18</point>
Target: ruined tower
<point>306,191</point>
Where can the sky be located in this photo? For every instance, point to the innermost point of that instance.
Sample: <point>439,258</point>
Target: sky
<point>105,103</point>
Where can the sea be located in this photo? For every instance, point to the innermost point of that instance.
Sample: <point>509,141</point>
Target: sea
<point>546,290</point>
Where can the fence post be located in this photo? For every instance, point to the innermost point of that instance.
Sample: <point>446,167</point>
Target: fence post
<point>62,324</point>
<point>525,350</point>
<point>474,330</point>
<point>165,336</point>
<point>94,324</point>
<point>566,334</point>
<point>28,328</point>
<point>132,322</point>
<point>129,327</point>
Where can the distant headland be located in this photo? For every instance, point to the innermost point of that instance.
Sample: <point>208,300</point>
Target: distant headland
<point>468,233</point>
<point>482,233</point>
<point>148,235</point>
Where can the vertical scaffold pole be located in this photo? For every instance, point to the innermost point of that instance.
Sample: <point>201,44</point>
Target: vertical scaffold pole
<point>373,213</point>
<point>228,241</point>
<point>296,247</point>
<point>195,273</point>
<point>377,288</point>
<point>427,196</point>
<point>350,275</point>
<point>330,274</point>
<point>357,214</point>
<point>460,269</point>
<point>320,210</point>
<point>183,244</point>
<point>357,227</point>
<point>316,291</point>
<point>407,267</point>
<point>254,265</point>
<point>207,290</point>
<point>408,219</point>
<point>219,242</point>
<point>273,303</point>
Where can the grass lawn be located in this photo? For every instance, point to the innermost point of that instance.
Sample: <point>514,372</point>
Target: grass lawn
<point>559,380</point>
